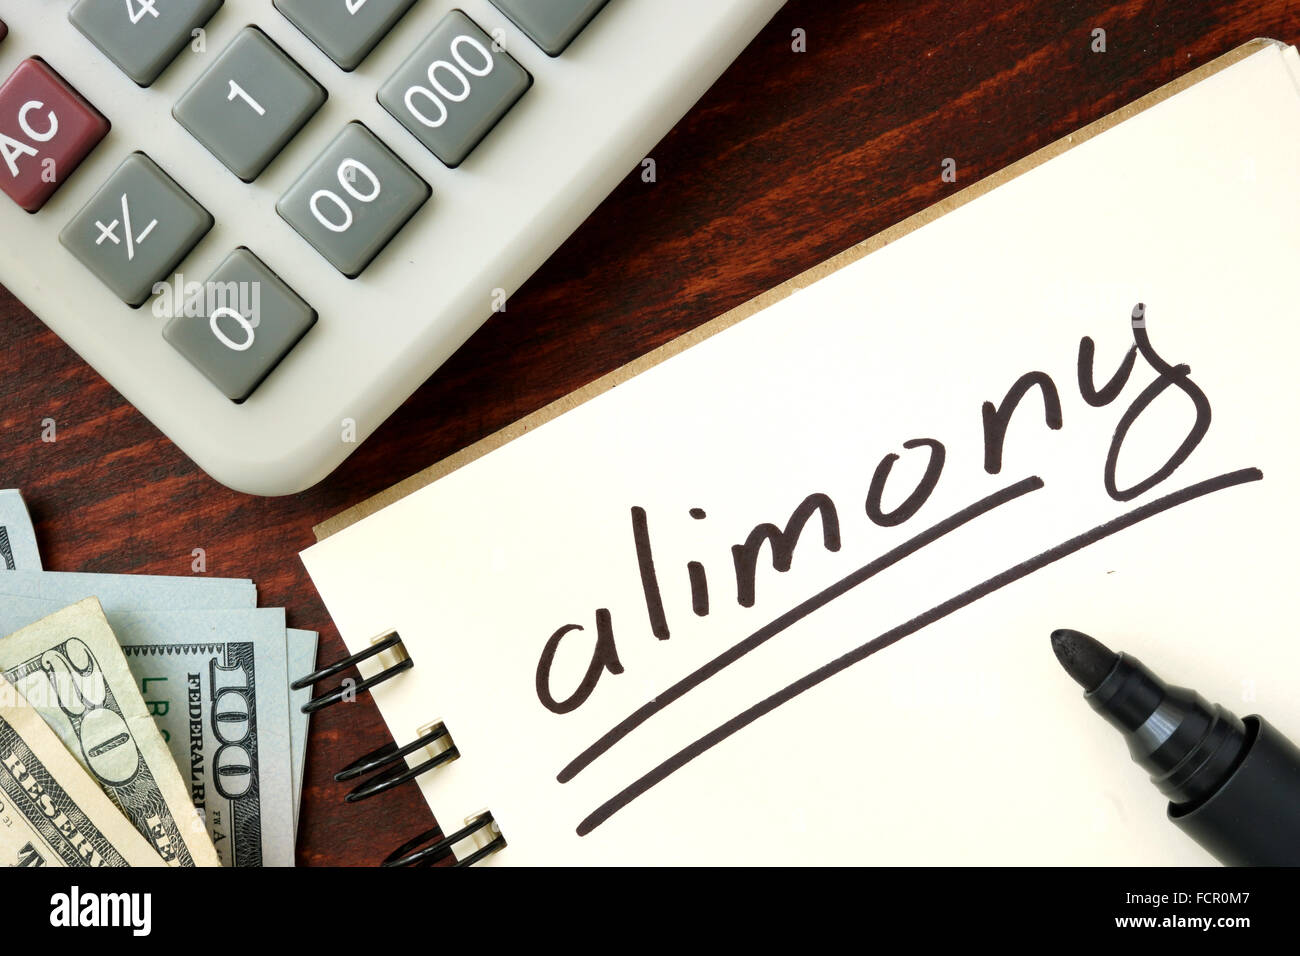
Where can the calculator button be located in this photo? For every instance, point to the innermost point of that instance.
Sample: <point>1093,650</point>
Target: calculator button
<point>249,103</point>
<point>46,130</point>
<point>551,24</point>
<point>454,88</point>
<point>4,30</point>
<point>243,324</point>
<point>346,30</point>
<point>136,229</point>
<point>141,36</point>
<point>353,199</point>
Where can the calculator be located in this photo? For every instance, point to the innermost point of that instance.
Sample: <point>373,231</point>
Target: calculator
<point>267,222</point>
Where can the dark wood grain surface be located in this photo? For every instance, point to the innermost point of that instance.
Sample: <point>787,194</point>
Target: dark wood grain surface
<point>789,159</point>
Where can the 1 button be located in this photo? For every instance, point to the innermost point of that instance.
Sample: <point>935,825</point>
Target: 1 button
<point>46,130</point>
<point>141,36</point>
<point>454,88</point>
<point>345,30</point>
<point>551,24</point>
<point>136,229</point>
<point>245,322</point>
<point>353,199</point>
<point>249,103</point>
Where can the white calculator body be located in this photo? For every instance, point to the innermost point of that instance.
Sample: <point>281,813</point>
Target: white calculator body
<point>383,174</point>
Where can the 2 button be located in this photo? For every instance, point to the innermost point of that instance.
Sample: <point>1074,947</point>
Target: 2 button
<point>346,30</point>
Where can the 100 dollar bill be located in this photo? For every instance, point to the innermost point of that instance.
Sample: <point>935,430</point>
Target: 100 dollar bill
<point>51,812</point>
<point>17,539</point>
<point>217,685</point>
<point>71,670</point>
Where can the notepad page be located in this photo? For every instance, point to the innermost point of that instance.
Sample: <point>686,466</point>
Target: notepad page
<point>600,600</point>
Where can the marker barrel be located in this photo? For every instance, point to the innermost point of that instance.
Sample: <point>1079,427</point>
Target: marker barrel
<point>1253,818</point>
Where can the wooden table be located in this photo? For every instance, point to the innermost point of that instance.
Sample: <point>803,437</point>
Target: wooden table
<point>790,158</point>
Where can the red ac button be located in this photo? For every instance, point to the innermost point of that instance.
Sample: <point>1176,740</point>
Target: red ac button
<point>46,129</point>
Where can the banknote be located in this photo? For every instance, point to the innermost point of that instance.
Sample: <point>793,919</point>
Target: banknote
<point>302,661</point>
<point>128,591</point>
<point>17,539</point>
<point>217,685</point>
<point>18,612</point>
<point>71,670</point>
<point>175,656</point>
<point>35,596</point>
<point>51,812</point>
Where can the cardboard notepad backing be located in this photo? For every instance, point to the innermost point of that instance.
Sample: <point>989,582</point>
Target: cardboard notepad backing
<point>785,594</point>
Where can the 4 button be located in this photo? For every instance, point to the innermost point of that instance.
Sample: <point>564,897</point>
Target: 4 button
<point>141,36</point>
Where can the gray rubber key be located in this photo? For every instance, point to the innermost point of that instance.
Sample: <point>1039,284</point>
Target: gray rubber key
<point>454,88</point>
<point>245,322</point>
<point>551,24</point>
<point>136,229</point>
<point>249,103</point>
<point>141,36</point>
<point>353,199</point>
<point>345,31</point>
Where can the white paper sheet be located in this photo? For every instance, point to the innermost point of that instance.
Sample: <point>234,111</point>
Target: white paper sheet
<point>964,742</point>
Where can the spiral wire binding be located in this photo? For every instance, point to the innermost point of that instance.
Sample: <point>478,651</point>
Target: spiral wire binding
<point>339,693</point>
<point>408,855</point>
<point>388,763</point>
<point>399,772</point>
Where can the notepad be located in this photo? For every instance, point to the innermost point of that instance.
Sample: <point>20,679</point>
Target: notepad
<point>782,593</point>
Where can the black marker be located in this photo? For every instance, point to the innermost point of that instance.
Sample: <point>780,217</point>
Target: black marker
<point>1233,784</point>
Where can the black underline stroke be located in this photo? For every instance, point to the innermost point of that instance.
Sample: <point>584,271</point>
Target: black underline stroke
<point>800,611</point>
<point>936,613</point>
